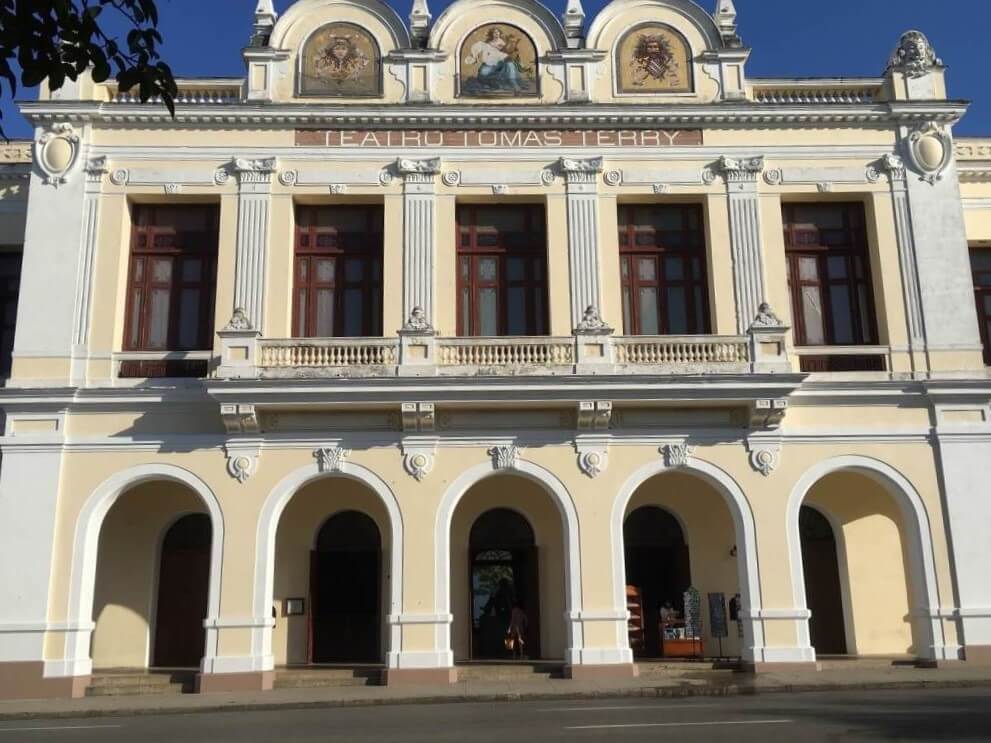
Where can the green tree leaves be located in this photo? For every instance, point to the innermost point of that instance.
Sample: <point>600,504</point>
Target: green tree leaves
<point>59,39</point>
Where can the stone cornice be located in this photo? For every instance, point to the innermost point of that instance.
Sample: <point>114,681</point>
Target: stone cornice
<point>459,116</point>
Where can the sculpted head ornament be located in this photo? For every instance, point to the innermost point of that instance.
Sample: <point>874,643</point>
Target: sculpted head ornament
<point>915,55</point>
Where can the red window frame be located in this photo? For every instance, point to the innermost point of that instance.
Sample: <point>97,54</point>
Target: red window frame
<point>980,262</point>
<point>157,240</point>
<point>841,260</point>
<point>676,259</point>
<point>355,260</point>
<point>480,248</point>
<point>10,286</point>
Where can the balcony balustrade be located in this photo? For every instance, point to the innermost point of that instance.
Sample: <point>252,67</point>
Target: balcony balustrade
<point>246,355</point>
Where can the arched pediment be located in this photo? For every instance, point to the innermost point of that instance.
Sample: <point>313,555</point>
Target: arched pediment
<point>305,16</point>
<point>447,32</point>
<point>685,16</point>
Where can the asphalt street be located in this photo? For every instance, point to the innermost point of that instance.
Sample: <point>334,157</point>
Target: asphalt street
<point>911,715</point>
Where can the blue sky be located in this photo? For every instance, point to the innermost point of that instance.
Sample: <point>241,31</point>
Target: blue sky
<point>788,38</point>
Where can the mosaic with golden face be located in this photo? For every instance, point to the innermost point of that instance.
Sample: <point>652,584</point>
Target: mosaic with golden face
<point>653,58</point>
<point>341,60</point>
<point>498,61</point>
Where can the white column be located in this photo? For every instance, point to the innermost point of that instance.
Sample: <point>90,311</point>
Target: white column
<point>254,179</point>
<point>745,235</point>
<point>939,235</point>
<point>419,233</point>
<point>894,168</point>
<point>95,171</point>
<point>581,177</point>
<point>29,490</point>
<point>963,437</point>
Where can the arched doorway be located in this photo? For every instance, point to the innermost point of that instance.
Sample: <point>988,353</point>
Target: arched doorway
<point>823,594</point>
<point>679,531</point>
<point>183,588</point>
<point>875,546</point>
<point>657,571</point>
<point>153,585</point>
<point>504,574</point>
<point>346,591</point>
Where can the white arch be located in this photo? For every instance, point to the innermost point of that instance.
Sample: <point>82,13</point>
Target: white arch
<point>572,546</point>
<point>268,525</point>
<point>299,14</point>
<point>86,542</point>
<point>638,11</point>
<point>746,539</point>
<point>922,565</point>
<point>548,23</point>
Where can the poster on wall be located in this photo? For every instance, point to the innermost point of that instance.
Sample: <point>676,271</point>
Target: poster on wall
<point>341,60</point>
<point>498,61</point>
<point>653,58</point>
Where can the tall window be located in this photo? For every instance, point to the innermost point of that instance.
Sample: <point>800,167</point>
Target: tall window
<point>338,286</point>
<point>502,270</point>
<point>830,282</point>
<point>663,271</point>
<point>10,284</point>
<point>980,260</point>
<point>173,272</point>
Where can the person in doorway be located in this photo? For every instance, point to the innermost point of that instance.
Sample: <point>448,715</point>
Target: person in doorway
<point>516,634</point>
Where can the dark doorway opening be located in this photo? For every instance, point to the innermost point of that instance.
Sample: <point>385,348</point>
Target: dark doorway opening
<point>658,571</point>
<point>183,593</point>
<point>823,594</point>
<point>504,572</point>
<point>346,591</point>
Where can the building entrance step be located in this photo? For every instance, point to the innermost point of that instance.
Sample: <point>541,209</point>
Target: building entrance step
<point>324,677</point>
<point>509,671</point>
<point>141,683</point>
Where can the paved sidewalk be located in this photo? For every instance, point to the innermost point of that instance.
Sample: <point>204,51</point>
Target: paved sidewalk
<point>679,684</point>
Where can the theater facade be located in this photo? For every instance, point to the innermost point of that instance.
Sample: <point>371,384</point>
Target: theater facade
<point>493,335</point>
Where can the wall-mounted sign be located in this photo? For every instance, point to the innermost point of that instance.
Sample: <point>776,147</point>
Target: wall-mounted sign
<point>498,138</point>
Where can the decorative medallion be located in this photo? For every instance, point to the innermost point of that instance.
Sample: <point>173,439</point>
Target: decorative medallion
<point>653,58</point>
<point>172,188</point>
<point>677,455</point>
<point>452,178</point>
<point>930,151</point>
<point>119,177</point>
<point>289,178</point>
<point>418,463</point>
<point>662,188</point>
<point>500,189</point>
<point>547,177</point>
<point>498,61</point>
<point>332,459</point>
<point>341,60</point>
<point>764,458</point>
<point>773,176</point>
<point>338,188</point>
<point>613,177</point>
<point>593,462</point>
<point>241,464</point>
<point>56,152</point>
<point>505,457</point>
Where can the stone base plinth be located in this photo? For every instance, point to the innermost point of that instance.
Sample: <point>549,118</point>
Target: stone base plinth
<point>419,676</point>
<point>217,683</point>
<point>27,681</point>
<point>601,672</point>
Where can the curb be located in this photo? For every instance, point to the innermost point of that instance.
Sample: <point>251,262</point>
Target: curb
<point>650,692</point>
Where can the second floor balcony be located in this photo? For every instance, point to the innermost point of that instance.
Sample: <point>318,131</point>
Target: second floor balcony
<point>417,351</point>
